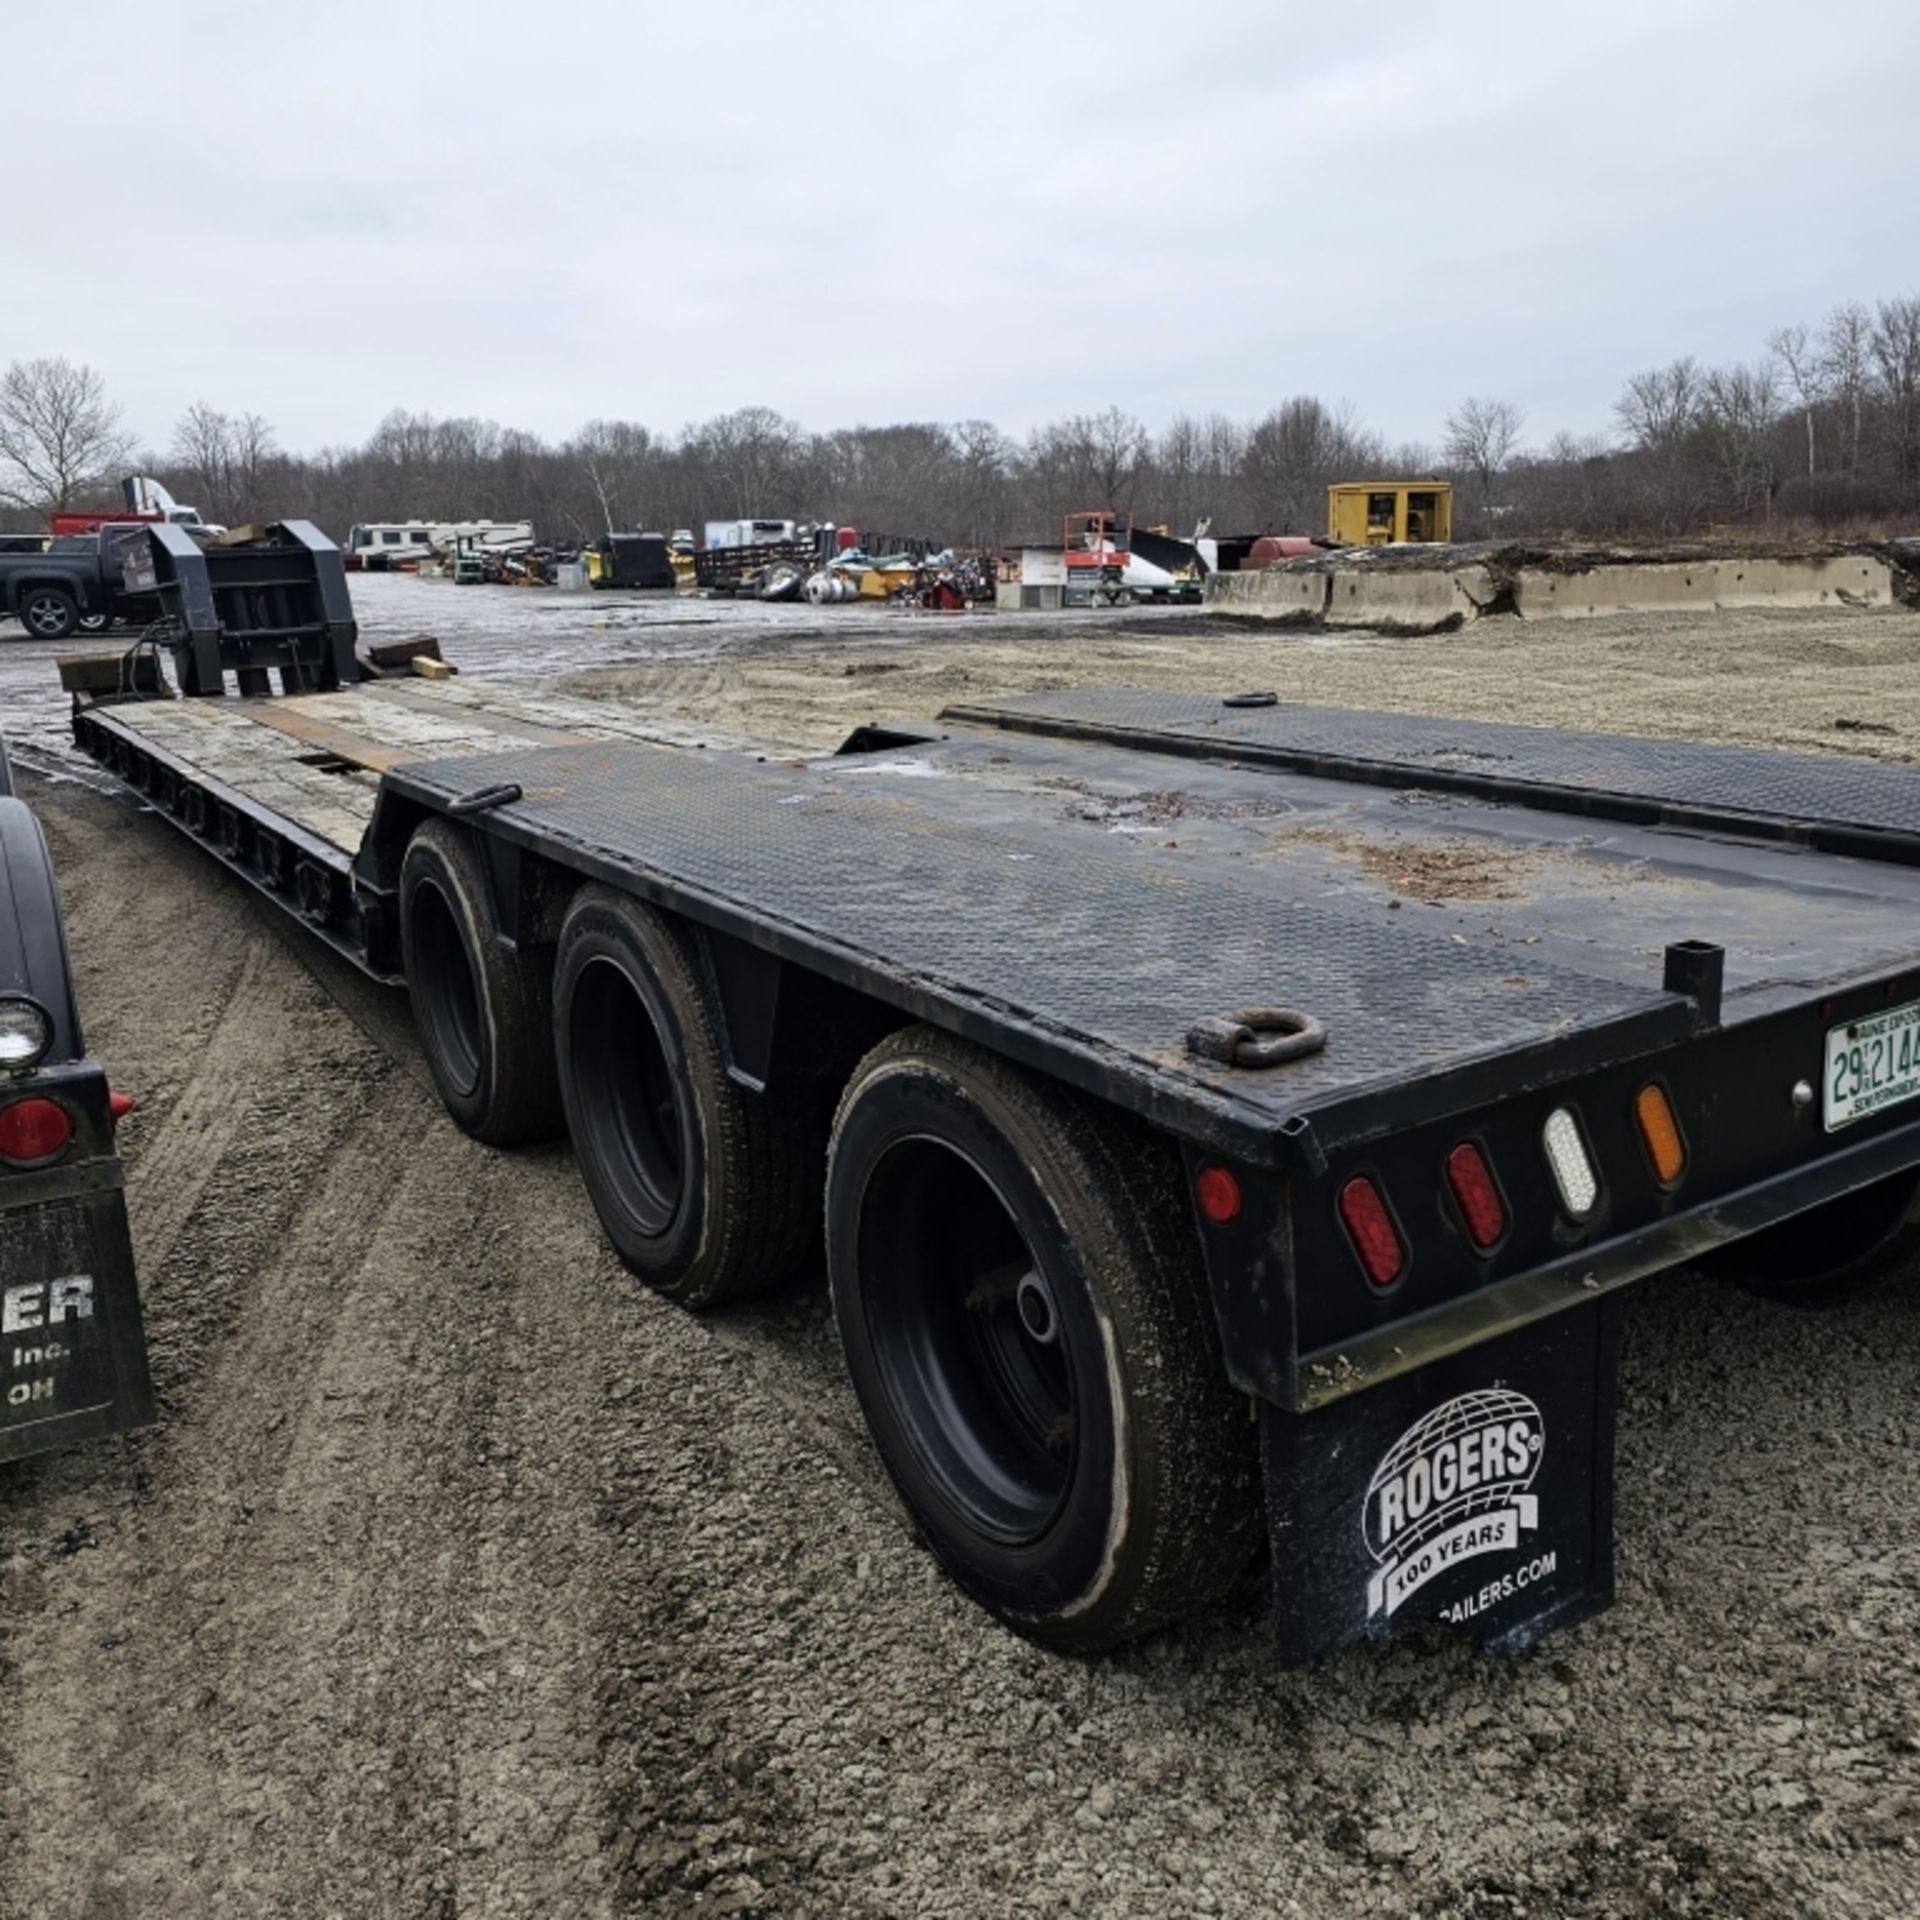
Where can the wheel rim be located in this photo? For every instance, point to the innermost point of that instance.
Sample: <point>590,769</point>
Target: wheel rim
<point>969,1339</point>
<point>627,1095</point>
<point>47,616</point>
<point>443,972</point>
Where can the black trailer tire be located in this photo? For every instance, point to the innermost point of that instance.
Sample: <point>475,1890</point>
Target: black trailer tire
<point>484,1011</point>
<point>1831,1253</point>
<point>1019,1301</point>
<point>707,1190</point>
<point>48,613</point>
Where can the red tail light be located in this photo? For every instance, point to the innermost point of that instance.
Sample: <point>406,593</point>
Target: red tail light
<point>1218,1193</point>
<point>1480,1205</point>
<point>1370,1226</point>
<point>33,1130</point>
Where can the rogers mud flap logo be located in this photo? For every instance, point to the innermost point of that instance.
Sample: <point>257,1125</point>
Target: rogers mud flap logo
<point>1455,1486</point>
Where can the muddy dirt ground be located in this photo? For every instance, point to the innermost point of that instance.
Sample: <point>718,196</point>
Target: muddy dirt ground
<point>463,1578</point>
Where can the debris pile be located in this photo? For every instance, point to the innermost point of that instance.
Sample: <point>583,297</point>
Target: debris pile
<point>835,566</point>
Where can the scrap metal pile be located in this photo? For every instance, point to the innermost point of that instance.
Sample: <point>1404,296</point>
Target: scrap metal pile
<point>831,566</point>
<point>770,560</point>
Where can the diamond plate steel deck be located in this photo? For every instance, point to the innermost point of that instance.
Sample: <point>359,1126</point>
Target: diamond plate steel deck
<point>1837,805</point>
<point>1098,959</point>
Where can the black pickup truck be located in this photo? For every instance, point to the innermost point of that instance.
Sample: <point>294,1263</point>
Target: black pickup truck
<point>73,1359</point>
<point>71,582</point>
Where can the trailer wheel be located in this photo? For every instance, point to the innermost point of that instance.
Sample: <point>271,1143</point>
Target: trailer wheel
<point>1830,1253</point>
<point>484,1012</point>
<point>708,1191</point>
<point>49,613</point>
<point>1029,1338</point>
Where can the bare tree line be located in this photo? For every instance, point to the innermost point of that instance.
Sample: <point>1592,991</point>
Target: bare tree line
<point>1822,430</point>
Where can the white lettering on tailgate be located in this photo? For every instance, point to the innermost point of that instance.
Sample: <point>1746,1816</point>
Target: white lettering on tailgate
<point>46,1303</point>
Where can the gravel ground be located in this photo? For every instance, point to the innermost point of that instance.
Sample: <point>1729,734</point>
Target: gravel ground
<point>461,1577</point>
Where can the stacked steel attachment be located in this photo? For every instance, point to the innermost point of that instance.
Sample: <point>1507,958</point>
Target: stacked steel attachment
<point>250,603</point>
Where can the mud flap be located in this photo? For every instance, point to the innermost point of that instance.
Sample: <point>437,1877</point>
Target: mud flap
<point>73,1358</point>
<point>1476,1492</point>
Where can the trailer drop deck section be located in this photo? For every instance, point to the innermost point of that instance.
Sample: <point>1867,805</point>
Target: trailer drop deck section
<point>1492,925</point>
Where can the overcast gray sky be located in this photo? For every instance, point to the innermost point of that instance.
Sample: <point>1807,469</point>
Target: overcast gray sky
<point>853,213</point>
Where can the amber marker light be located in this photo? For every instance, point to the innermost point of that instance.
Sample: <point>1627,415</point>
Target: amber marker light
<point>1661,1131</point>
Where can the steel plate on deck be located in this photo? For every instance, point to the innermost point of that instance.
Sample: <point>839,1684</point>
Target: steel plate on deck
<point>1848,805</point>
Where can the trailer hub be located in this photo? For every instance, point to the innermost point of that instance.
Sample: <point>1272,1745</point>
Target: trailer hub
<point>1035,1304</point>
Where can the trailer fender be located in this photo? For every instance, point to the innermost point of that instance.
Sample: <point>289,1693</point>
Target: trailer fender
<point>786,1026</point>
<point>530,894</point>
<point>396,817</point>
<point>747,981</point>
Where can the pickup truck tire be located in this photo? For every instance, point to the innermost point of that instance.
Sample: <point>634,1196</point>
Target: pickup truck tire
<point>484,1011</point>
<point>95,622</point>
<point>48,613</point>
<point>1831,1253</point>
<point>1028,1334</point>
<point>708,1191</point>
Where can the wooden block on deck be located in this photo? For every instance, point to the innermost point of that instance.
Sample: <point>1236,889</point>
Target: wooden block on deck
<point>399,653</point>
<point>429,668</point>
<point>110,673</point>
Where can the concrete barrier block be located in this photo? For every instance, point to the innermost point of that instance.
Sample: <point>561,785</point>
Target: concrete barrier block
<point>1272,593</point>
<point>1838,580</point>
<point>1699,586</point>
<point>1422,598</point>
<point>1677,587</point>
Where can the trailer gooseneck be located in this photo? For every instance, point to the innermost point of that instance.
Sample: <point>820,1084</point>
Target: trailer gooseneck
<point>1224,1117</point>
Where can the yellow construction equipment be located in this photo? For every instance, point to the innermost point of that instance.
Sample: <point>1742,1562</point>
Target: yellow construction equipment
<point>1371,513</point>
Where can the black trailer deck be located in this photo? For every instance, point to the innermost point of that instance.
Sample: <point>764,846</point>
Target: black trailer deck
<point>1103,870</point>
<point>1492,926</point>
<point>1082,878</point>
<point>1183,826</point>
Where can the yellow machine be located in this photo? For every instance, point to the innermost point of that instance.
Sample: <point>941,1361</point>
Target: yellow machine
<point>1370,513</point>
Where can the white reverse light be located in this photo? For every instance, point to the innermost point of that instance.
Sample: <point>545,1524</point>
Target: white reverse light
<point>25,1033</point>
<point>1567,1156</point>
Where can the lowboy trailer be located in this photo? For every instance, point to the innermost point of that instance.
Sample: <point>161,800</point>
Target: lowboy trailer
<point>1228,1118</point>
